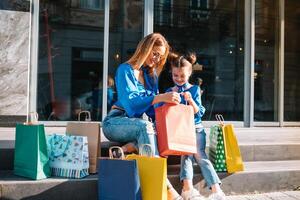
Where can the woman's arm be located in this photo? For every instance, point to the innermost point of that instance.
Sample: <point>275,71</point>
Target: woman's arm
<point>131,98</point>
<point>168,97</point>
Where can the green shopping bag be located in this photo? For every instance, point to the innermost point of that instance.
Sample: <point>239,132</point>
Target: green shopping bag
<point>217,149</point>
<point>31,156</point>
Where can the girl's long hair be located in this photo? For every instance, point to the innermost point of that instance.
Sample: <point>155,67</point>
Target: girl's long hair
<point>144,49</point>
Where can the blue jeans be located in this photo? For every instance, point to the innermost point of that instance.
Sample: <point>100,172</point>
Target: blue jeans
<point>207,169</point>
<point>118,127</point>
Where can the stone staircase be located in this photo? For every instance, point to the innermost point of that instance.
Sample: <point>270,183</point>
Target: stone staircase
<point>271,157</point>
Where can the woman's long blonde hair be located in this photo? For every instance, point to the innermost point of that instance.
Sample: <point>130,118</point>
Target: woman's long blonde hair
<point>144,49</point>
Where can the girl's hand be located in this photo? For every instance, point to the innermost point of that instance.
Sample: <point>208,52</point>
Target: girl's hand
<point>187,96</point>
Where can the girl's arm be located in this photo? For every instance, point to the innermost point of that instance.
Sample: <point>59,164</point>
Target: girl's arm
<point>188,97</point>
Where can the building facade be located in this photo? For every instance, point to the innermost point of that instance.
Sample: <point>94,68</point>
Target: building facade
<point>59,57</point>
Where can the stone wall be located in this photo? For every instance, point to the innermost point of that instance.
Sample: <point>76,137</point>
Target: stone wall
<point>14,60</point>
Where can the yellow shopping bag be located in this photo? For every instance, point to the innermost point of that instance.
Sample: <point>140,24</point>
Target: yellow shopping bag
<point>153,175</point>
<point>233,156</point>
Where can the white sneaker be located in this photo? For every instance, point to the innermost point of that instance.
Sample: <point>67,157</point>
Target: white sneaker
<point>173,195</point>
<point>192,194</point>
<point>217,196</point>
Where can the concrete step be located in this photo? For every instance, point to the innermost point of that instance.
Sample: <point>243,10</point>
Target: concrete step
<point>254,152</point>
<point>258,177</point>
<point>245,136</point>
<point>256,144</point>
<point>270,151</point>
<point>13,187</point>
<point>282,195</point>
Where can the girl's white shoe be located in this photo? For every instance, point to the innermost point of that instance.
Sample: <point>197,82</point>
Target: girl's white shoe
<point>173,195</point>
<point>192,194</point>
<point>217,196</point>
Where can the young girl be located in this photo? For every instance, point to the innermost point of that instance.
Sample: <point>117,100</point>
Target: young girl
<point>181,67</point>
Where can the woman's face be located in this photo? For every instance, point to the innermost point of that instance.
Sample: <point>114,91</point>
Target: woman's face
<point>155,56</point>
<point>181,75</point>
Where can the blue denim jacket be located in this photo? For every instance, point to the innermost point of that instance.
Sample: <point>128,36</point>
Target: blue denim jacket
<point>133,96</point>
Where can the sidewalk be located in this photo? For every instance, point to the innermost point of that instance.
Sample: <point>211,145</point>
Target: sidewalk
<point>286,195</point>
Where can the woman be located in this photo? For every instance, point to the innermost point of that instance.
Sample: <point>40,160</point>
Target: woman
<point>137,89</point>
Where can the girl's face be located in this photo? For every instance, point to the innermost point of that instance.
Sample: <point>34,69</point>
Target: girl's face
<point>181,75</point>
<point>155,56</point>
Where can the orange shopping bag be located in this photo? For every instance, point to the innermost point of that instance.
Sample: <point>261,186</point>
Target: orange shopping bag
<point>175,129</point>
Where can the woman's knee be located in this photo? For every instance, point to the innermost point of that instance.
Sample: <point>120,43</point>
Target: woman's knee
<point>146,127</point>
<point>106,129</point>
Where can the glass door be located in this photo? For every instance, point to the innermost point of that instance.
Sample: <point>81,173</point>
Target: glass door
<point>292,61</point>
<point>266,61</point>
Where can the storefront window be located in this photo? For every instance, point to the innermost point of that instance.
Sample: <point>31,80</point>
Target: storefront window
<point>266,61</point>
<point>292,61</point>
<point>125,31</point>
<point>15,5</point>
<point>70,60</point>
<point>214,30</point>
<point>92,4</point>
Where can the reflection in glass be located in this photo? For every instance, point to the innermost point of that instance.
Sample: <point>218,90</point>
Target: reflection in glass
<point>15,5</point>
<point>92,4</point>
<point>70,60</point>
<point>292,61</point>
<point>125,31</point>
<point>214,30</point>
<point>266,65</point>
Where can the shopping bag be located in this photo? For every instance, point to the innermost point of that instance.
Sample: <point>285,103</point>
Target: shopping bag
<point>217,148</point>
<point>68,155</point>
<point>31,157</point>
<point>233,156</point>
<point>153,174</point>
<point>175,129</point>
<point>118,178</point>
<point>92,131</point>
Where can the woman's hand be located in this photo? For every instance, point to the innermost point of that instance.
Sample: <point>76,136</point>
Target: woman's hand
<point>169,97</point>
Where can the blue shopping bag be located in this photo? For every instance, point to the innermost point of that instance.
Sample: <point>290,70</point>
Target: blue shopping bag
<point>118,179</point>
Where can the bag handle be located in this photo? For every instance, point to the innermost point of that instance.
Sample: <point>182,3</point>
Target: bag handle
<point>111,155</point>
<point>220,119</point>
<point>52,146</point>
<point>32,118</point>
<point>142,148</point>
<point>88,116</point>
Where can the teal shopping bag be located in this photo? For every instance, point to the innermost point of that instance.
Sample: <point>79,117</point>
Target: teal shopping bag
<point>31,157</point>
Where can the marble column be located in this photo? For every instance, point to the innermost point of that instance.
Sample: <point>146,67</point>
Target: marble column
<point>14,60</point>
